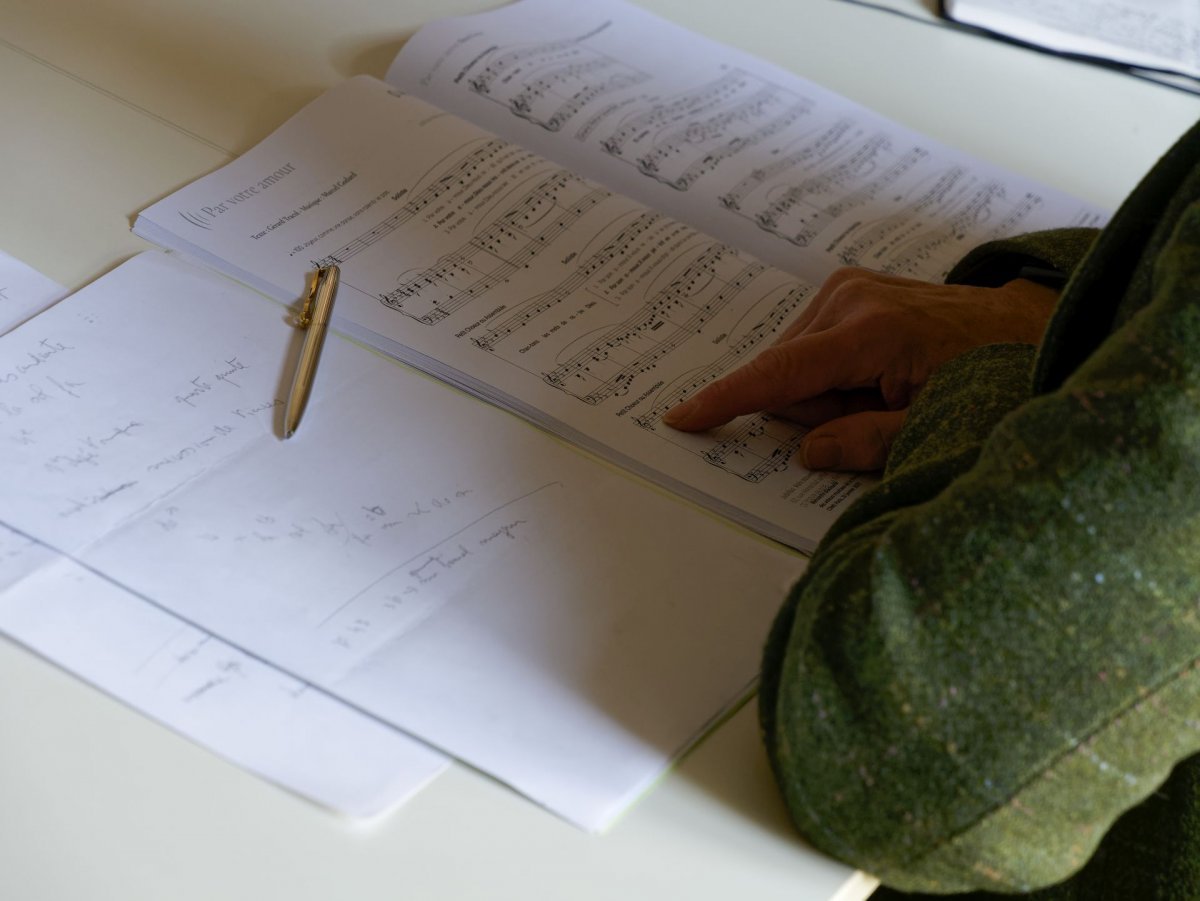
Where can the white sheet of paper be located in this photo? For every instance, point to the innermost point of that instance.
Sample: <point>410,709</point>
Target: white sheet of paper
<point>242,708</point>
<point>24,292</point>
<point>426,558</point>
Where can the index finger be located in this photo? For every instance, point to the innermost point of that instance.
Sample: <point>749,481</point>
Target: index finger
<point>782,375</point>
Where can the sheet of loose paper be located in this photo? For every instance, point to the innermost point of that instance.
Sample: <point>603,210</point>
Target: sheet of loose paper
<point>239,706</point>
<point>425,558</point>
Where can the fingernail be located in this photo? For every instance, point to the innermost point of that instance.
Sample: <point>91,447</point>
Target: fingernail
<point>821,452</point>
<point>678,415</point>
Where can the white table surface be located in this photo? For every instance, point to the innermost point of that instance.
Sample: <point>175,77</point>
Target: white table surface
<point>108,105</point>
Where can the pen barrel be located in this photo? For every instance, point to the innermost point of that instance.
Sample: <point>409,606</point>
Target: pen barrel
<point>327,285</point>
<point>310,349</point>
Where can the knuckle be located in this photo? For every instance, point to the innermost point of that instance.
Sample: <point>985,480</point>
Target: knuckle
<point>773,366</point>
<point>859,291</point>
<point>843,274</point>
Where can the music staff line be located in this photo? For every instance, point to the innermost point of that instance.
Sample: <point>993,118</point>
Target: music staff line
<point>456,176</point>
<point>509,243</point>
<point>675,309</point>
<point>556,81</point>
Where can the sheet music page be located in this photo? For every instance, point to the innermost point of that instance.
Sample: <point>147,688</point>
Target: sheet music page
<point>528,284</point>
<point>1154,34</point>
<point>430,560</point>
<point>747,152</point>
<point>242,708</point>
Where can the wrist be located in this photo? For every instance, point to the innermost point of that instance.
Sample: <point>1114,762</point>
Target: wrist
<point>1031,303</point>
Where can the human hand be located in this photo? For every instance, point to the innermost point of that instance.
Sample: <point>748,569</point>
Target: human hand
<point>854,359</point>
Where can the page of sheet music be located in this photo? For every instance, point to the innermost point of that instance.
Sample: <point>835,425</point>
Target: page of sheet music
<point>240,707</point>
<point>524,282</point>
<point>749,153</point>
<point>1156,34</point>
<point>428,559</point>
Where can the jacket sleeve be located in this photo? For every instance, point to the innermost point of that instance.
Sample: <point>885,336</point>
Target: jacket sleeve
<point>993,654</point>
<point>999,262</point>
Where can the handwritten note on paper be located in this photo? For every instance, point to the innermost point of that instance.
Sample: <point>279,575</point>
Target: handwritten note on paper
<point>430,560</point>
<point>242,708</point>
<point>24,292</point>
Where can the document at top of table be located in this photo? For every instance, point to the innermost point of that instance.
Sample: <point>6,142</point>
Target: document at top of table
<point>535,284</point>
<point>425,558</point>
<point>1159,35</point>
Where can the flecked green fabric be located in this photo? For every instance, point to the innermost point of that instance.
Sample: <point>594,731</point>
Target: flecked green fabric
<point>994,654</point>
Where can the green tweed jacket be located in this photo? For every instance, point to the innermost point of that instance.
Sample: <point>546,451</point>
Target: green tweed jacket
<point>988,680</point>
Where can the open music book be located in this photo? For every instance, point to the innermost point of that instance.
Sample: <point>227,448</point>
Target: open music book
<point>584,214</point>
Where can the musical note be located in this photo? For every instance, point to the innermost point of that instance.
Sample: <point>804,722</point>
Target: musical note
<point>548,84</point>
<point>615,250</point>
<point>608,364</point>
<point>735,351</point>
<point>505,246</point>
<point>757,447</point>
<point>491,155</point>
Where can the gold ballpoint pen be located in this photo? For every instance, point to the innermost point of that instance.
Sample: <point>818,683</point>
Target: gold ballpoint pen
<point>314,319</point>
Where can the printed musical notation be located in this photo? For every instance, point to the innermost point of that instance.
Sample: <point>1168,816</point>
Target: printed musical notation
<point>736,351</point>
<point>607,365</point>
<point>756,448</point>
<point>639,249</point>
<point>604,366</point>
<point>649,290</point>
<point>931,232</point>
<point>801,195</point>
<point>549,84</point>
<point>653,287</point>
<point>679,141</point>
<point>506,245</point>
<point>760,149</point>
<point>490,167</point>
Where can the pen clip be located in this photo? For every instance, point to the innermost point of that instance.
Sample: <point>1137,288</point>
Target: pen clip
<point>304,317</point>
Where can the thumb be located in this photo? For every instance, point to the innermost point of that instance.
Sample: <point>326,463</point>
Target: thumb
<point>859,442</point>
